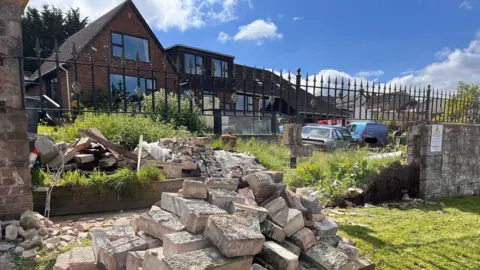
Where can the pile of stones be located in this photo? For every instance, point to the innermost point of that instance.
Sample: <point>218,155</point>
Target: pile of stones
<point>251,222</point>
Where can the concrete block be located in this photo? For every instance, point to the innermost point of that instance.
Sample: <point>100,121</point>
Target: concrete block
<point>120,231</point>
<point>312,204</point>
<point>222,183</point>
<point>63,261</point>
<point>319,217</point>
<point>82,258</point>
<point>194,189</point>
<point>173,202</point>
<point>99,240</point>
<point>276,176</point>
<point>248,194</point>
<point>326,228</point>
<point>323,256</point>
<point>234,235</point>
<point>153,259</point>
<point>365,264</point>
<point>195,216</point>
<point>261,212</point>
<point>293,200</point>
<point>182,242</point>
<point>352,252</point>
<point>275,206</point>
<point>135,260</point>
<point>291,247</point>
<point>304,238</point>
<point>114,255</point>
<point>152,242</point>
<point>279,257</point>
<point>273,231</point>
<point>208,258</point>
<point>223,197</point>
<point>261,184</point>
<point>291,220</point>
<point>84,158</point>
<point>158,223</point>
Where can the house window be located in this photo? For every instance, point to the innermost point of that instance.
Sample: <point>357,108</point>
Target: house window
<point>130,45</point>
<point>221,68</point>
<point>240,103</point>
<point>116,83</point>
<point>197,64</point>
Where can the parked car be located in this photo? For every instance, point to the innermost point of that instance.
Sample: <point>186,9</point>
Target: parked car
<point>371,133</point>
<point>325,138</point>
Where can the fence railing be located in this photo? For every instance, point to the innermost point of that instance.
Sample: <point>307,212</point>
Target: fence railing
<point>92,81</point>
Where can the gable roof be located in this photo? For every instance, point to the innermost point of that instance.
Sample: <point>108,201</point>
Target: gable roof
<point>85,36</point>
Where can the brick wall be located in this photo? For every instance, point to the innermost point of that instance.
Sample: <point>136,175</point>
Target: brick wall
<point>453,171</point>
<point>15,185</point>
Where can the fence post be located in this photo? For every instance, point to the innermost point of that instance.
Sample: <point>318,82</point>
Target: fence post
<point>273,122</point>
<point>427,107</point>
<point>217,121</point>
<point>297,91</point>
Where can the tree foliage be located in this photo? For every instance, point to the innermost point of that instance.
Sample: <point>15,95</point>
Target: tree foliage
<point>48,24</point>
<point>464,105</point>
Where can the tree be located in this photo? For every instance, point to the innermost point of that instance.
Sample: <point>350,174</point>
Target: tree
<point>48,24</point>
<point>464,105</point>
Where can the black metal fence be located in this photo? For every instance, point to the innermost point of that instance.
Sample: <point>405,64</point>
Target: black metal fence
<point>94,81</point>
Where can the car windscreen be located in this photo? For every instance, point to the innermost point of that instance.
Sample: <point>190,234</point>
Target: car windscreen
<point>345,132</point>
<point>315,132</point>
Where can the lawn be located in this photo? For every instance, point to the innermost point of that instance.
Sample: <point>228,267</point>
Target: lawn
<point>445,235</point>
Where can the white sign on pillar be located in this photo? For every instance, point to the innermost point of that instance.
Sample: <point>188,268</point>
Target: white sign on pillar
<point>436,139</point>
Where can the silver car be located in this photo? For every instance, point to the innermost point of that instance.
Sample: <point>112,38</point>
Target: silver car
<point>325,138</point>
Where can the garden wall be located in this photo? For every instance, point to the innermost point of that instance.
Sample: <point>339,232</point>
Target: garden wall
<point>448,161</point>
<point>77,200</point>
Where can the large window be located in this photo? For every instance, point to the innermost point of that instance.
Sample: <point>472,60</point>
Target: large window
<point>242,101</point>
<point>221,68</point>
<point>197,64</point>
<point>116,83</point>
<point>131,45</point>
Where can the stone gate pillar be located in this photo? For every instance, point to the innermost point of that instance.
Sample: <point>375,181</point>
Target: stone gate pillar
<point>15,178</point>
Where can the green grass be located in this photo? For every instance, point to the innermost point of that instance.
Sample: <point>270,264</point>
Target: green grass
<point>417,238</point>
<point>47,258</point>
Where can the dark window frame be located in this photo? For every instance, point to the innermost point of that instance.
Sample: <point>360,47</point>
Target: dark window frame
<point>221,65</point>
<point>148,91</point>
<point>195,64</point>
<point>123,45</point>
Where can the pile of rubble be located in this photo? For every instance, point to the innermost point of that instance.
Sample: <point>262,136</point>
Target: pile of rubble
<point>249,222</point>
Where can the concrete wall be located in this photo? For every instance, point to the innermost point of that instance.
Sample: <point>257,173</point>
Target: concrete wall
<point>454,171</point>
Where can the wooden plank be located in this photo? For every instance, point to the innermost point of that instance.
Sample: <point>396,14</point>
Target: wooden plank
<point>115,149</point>
<point>82,144</point>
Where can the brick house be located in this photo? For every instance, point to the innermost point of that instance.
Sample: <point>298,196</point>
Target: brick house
<point>122,28</point>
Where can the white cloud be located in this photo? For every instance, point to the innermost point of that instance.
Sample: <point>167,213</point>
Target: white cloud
<point>297,18</point>
<point>466,4</point>
<point>161,14</point>
<point>223,37</point>
<point>258,31</point>
<point>370,73</point>
<point>443,53</point>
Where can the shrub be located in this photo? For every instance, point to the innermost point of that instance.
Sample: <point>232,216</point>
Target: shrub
<point>120,127</point>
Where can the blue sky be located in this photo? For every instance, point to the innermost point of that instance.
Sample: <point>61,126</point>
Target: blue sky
<point>411,41</point>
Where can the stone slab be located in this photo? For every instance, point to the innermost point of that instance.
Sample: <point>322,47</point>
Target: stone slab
<point>323,256</point>
<point>261,184</point>
<point>159,222</point>
<point>194,189</point>
<point>120,231</point>
<point>275,206</point>
<point>273,231</point>
<point>209,258</point>
<point>276,176</point>
<point>173,202</point>
<point>319,217</point>
<point>234,235</point>
<point>82,258</point>
<point>312,204</point>
<point>135,260</point>
<point>63,261</point>
<point>304,238</point>
<point>223,197</point>
<point>352,252</point>
<point>182,242</point>
<point>153,259</point>
<point>291,220</point>
<point>195,216</point>
<point>99,240</point>
<point>293,200</point>
<point>261,212</point>
<point>365,264</point>
<point>152,242</point>
<point>222,183</point>
<point>279,257</point>
<point>114,255</point>
<point>248,194</point>
<point>326,228</point>
<point>291,247</point>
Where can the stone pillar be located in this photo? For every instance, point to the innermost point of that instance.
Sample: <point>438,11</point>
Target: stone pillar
<point>15,178</point>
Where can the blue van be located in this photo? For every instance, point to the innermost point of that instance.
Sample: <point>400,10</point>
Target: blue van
<point>371,133</point>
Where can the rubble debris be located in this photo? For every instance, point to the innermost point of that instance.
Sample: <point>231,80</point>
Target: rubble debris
<point>273,231</point>
<point>182,242</point>
<point>114,254</point>
<point>223,197</point>
<point>323,256</point>
<point>82,258</point>
<point>261,212</point>
<point>221,183</point>
<point>194,189</point>
<point>195,216</point>
<point>261,183</point>
<point>135,260</point>
<point>304,238</point>
<point>63,261</point>
<point>229,141</point>
<point>278,256</point>
<point>159,222</point>
<point>153,259</point>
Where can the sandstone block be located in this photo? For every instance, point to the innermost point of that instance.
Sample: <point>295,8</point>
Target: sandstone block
<point>331,240</point>
<point>153,259</point>
<point>365,264</point>
<point>114,255</point>
<point>261,212</point>
<point>293,200</point>
<point>223,197</point>
<point>276,176</point>
<point>82,258</point>
<point>323,256</point>
<point>291,220</point>
<point>273,231</point>
<point>352,252</point>
<point>158,223</point>
<point>11,232</point>
<point>208,258</point>
<point>262,185</point>
<point>234,235</point>
<point>195,216</point>
<point>304,238</point>
<point>194,189</point>
<point>182,242</point>
<point>173,202</point>
<point>275,206</point>
<point>99,240</point>
<point>84,158</point>
<point>248,194</point>
<point>319,217</point>
<point>120,231</point>
<point>279,257</point>
<point>291,247</point>
<point>152,242</point>
<point>326,228</point>
<point>222,183</point>
<point>135,260</point>
<point>63,261</point>
<point>312,204</point>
